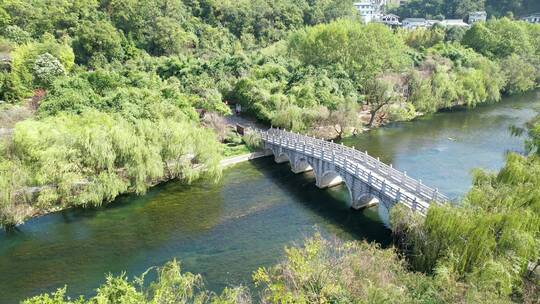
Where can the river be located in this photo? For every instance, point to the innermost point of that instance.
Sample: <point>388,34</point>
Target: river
<point>227,230</point>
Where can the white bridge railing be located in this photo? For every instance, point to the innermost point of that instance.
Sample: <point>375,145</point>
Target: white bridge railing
<point>393,183</point>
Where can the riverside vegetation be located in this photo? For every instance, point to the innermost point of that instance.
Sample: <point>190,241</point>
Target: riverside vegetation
<point>475,252</point>
<point>101,98</point>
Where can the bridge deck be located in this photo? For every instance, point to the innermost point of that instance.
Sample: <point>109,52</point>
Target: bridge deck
<point>394,183</point>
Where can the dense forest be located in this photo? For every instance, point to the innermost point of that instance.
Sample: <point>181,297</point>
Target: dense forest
<point>105,97</point>
<point>460,9</point>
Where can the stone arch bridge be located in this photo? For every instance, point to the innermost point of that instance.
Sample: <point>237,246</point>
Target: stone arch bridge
<point>368,180</point>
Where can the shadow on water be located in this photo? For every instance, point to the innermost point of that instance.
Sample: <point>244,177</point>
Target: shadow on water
<point>332,204</point>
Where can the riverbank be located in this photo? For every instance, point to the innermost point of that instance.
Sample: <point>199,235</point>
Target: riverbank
<point>358,141</point>
<point>363,142</point>
<point>228,229</point>
<point>226,162</point>
<point>243,158</point>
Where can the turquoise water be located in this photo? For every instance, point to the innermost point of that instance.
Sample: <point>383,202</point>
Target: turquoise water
<point>227,230</point>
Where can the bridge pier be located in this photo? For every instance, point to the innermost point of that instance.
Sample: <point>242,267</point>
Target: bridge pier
<point>281,159</point>
<point>365,201</point>
<point>301,167</point>
<point>329,180</point>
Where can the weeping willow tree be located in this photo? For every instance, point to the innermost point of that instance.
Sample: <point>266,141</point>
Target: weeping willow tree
<point>88,159</point>
<point>13,178</point>
<point>490,238</point>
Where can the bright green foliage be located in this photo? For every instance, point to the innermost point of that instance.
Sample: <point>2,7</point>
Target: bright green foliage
<point>252,140</point>
<point>299,94</point>
<point>13,177</point>
<point>97,43</point>
<point>489,240</point>
<point>57,17</point>
<point>124,119</point>
<point>291,100</point>
<point>323,271</point>
<point>171,286</point>
<point>76,94</point>
<point>363,51</point>
<point>16,34</point>
<point>171,38</point>
<point>515,45</point>
<point>46,69</point>
<point>90,158</point>
<point>10,88</point>
<point>452,75</point>
<point>520,74</point>
<point>24,60</point>
<point>268,21</point>
<point>159,27</point>
<point>5,18</point>
<point>499,38</point>
<point>423,38</point>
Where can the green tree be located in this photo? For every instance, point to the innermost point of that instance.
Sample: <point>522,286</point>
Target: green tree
<point>379,93</point>
<point>458,9</point>
<point>24,58</point>
<point>170,38</point>
<point>10,88</point>
<point>97,41</point>
<point>46,69</point>
<point>364,51</point>
<point>520,75</point>
<point>499,38</point>
<point>16,34</point>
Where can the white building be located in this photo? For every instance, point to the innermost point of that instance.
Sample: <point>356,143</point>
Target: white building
<point>432,22</point>
<point>480,16</point>
<point>370,10</point>
<point>534,18</point>
<point>414,23</point>
<point>453,23</point>
<point>390,19</point>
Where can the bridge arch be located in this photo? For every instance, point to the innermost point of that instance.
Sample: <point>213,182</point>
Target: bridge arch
<point>366,200</point>
<point>331,178</point>
<point>282,157</point>
<point>302,165</point>
<point>328,179</point>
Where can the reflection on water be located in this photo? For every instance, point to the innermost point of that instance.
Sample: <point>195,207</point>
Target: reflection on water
<point>227,230</point>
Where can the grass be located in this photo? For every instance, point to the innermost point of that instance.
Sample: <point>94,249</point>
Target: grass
<point>230,150</point>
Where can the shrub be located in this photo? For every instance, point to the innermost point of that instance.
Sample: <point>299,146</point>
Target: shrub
<point>46,69</point>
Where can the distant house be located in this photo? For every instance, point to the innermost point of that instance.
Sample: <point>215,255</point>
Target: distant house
<point>370,10</point>
<point>480,16</point>
<point>453,23</point>
<point>432,22</point>
<point>534,18</point>
<point>414,23</point>
<point>395,2</point>
<point>390,20</point>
